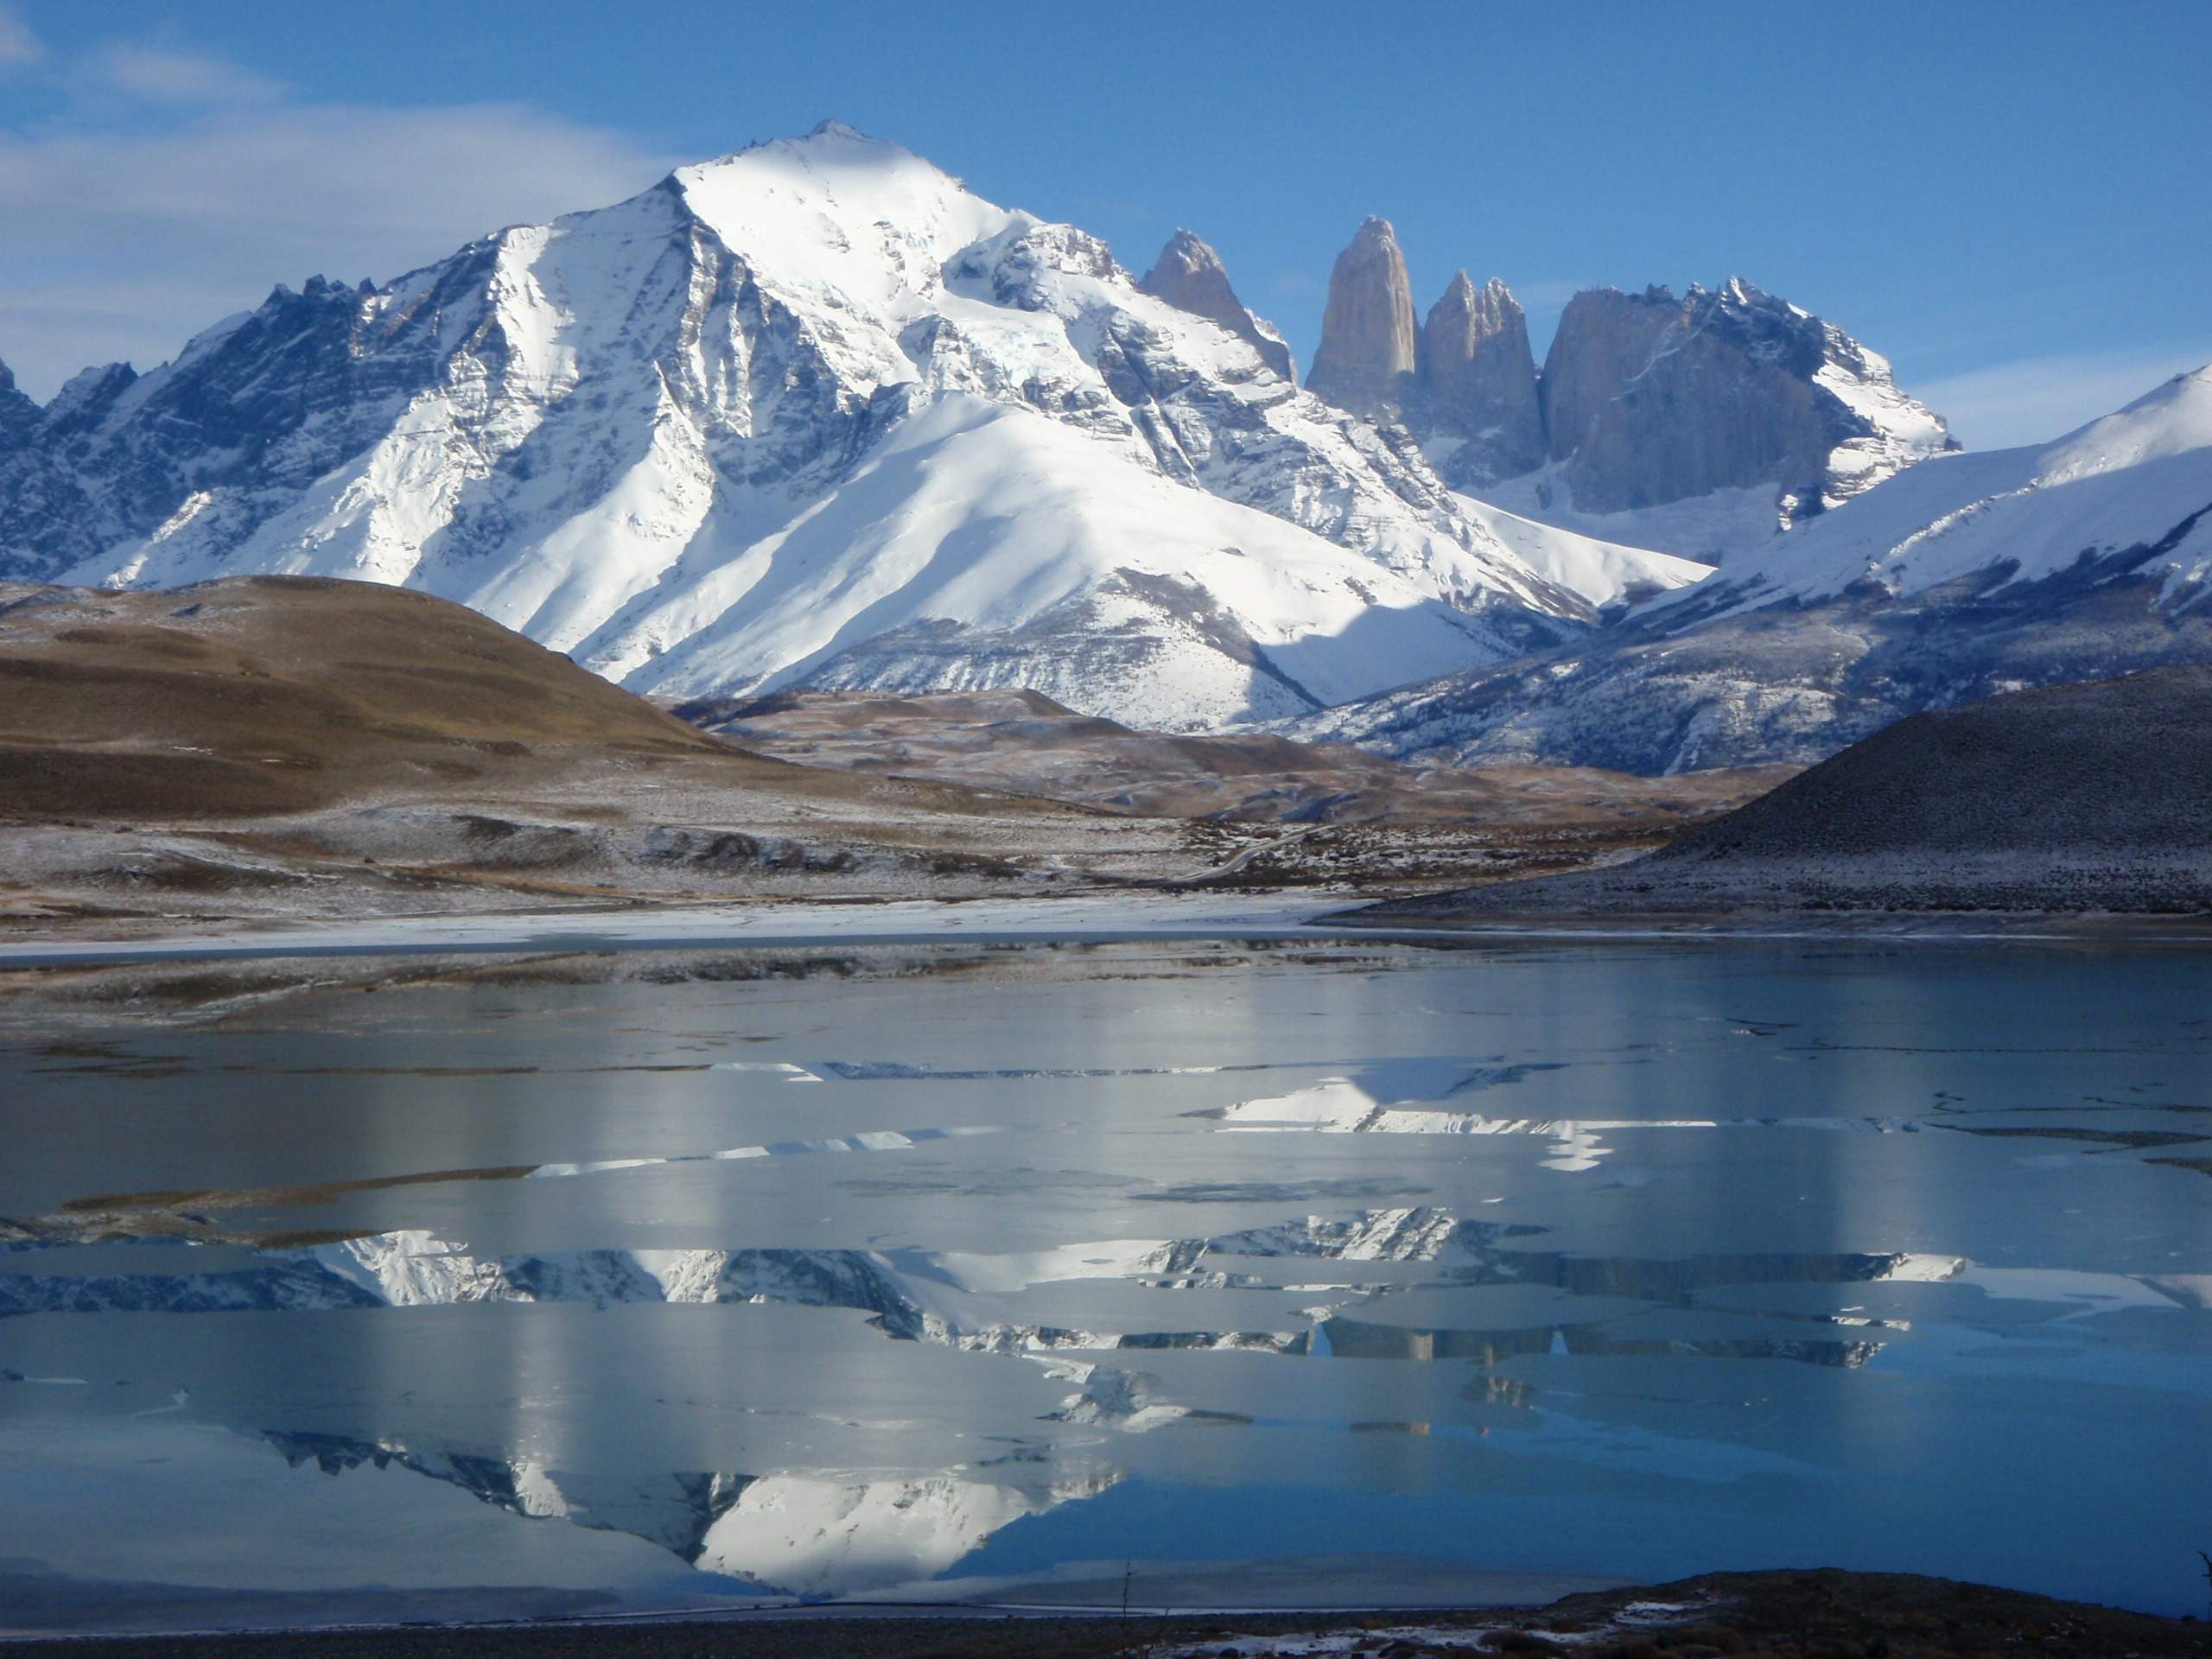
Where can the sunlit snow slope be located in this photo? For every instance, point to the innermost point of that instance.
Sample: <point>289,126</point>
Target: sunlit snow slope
<point>2138,479</point>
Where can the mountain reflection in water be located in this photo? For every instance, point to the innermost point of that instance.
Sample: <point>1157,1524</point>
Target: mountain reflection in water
<point>956,1321</point>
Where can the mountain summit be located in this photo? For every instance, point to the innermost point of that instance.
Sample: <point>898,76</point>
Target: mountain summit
<point>1189,276</point>
<point>812,412</point>
<point>1369,352</point>
<point>1648,399</point>
<point>1484,412</point>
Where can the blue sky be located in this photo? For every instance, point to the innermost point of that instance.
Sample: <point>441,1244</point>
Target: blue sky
<point>2013,203</point>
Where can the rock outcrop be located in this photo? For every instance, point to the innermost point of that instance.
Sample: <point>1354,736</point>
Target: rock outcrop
<point>18,413</point>
<point>1189,276</point>
<point>1644,399</point>
<point>1368,356</point>
<point>1649,399</point>
<point>1483,414</point>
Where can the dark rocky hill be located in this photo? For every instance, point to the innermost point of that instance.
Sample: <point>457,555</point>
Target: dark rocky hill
<point>2091,797</point>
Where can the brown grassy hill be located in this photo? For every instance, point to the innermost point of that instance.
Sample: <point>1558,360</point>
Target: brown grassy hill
<point>284,746</point>
<point>281,745</point>
<point>271,695</point>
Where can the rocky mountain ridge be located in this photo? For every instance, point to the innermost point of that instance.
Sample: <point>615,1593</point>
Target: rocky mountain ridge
<point>1644,400</point>
<point>1189,277</point>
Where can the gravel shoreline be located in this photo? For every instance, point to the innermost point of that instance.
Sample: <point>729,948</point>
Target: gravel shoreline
<point>1824,1614</point>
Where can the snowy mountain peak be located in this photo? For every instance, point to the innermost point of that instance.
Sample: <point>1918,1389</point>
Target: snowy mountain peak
<point>838,210</point>
<point>2171,419</point>
<point>830,142</point>
<point>86,398</point>
<point>1190,276</point>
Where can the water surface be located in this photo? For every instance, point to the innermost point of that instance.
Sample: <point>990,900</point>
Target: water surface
<point>1335,1273</point>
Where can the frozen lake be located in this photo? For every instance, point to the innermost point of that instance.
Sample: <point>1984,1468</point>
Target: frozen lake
<point>1336,1272</point>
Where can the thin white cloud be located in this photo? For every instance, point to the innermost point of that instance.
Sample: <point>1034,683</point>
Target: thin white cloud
<point>17,44</point>
<point>130,229</point>
<point>165,75</point>
<point>2034,400</point>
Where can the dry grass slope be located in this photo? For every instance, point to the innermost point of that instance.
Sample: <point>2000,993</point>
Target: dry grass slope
<point>1025,742</point>
<point>288,747</point>
<point>278,746</point>
<point>267,695</point>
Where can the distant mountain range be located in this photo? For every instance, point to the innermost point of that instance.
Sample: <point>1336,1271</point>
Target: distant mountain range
<point>1966,577</point>
<point>815,413</point>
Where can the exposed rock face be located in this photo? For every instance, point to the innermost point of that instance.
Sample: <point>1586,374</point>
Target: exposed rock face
<point>1368,355</point>
<point>252,410</point>
<point>1648,399</point>
<point>1478,384</point>
<point>1645,399</point>
<point>1189,276</point>
<point>18,414</point>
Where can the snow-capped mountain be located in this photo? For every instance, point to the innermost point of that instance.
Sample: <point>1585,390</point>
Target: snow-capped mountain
<point>813,413</point>
<point>1967,575</point>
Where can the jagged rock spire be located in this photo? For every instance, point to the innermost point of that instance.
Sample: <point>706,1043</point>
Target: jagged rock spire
<point>1189,277</point>
<point>1369,347</point>
<point>1478,381</point>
